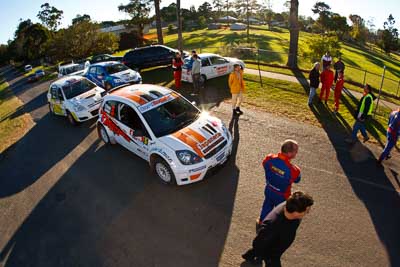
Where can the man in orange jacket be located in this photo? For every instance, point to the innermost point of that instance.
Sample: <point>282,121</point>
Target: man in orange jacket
<point>237,87</point>
<point>338,90</point>
<point>327,81</point>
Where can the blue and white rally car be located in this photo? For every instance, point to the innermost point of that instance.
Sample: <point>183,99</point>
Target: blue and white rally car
<point>111,74</point>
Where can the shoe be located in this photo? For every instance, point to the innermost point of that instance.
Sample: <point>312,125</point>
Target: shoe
<point>309,104</point>
<point>238,111</point>
<point>366,139</point>
<point>249,258</point>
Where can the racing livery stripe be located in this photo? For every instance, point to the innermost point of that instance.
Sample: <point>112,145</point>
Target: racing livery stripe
<point>107,121</point>
<point>134,96</point>
<point>189,141</point>
<point>194,134</point>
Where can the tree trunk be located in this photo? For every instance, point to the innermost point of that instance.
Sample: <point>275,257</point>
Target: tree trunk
<point>294,34</point>
<point>178,16</point>
<point>158,22</point>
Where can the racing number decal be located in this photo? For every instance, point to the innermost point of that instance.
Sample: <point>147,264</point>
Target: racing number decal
<point>222,70</point>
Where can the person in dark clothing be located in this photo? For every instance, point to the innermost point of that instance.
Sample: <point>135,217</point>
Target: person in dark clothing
<point>363,114</point>
<point>314,81</point>
<point>278,230</point>
<point>338,66</point>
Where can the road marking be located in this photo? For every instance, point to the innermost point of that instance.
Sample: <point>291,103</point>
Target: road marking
<point>384,187</point>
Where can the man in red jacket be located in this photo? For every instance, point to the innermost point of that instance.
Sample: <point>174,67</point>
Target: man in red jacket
<point>327,81</point>
<point>338,90</point>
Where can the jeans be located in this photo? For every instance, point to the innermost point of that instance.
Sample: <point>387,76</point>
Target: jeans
<point>359,126</point>
<point>390,143</point>
<point>196,81</point>
<point>312,94</point>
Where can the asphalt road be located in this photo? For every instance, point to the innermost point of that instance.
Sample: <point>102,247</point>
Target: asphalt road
<point>68,200</point>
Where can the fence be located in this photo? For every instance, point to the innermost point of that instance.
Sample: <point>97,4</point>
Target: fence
<point>355,77</point>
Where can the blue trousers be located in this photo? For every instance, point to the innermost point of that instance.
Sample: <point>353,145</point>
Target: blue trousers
<point>271,200</point>
<point>390,143</point>
<point>359,126</point>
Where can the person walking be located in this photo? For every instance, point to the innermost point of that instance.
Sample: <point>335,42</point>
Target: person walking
<point>280,174</point>
<point>196,67</point>
<point>338,91</point>
<point>327,81</point>
<point>338,66</point>
<point>314,82</point>
<point>326,60</point>
<point>278,230</point>
<point>392,133</point>
<point>237,87</point>
<point>363,114</point>
<point>177,63</point>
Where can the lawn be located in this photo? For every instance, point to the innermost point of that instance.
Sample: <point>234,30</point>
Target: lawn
<point>276,45</point>
<point>279,97</point>
<point>12,128</point>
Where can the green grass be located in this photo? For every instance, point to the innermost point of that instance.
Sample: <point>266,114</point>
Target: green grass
<point>276,43</point>
<point>12,127</point>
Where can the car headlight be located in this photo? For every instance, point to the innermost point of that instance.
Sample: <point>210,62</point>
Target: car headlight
<point>187,157</point>
<point>79,108</point>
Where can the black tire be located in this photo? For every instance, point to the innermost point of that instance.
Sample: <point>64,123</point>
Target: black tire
<point>71,119</point>
<point>163,171</point>
<point>103,135</point>
<point>203,79</point>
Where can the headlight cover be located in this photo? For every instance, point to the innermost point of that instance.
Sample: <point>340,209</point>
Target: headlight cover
<point>187,157</point>
<point>79,108</point>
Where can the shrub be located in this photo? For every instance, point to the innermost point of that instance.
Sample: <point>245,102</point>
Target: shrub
<point>318,46</point>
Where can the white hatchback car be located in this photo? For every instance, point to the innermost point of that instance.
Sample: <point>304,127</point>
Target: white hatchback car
<point>75,97</point>
<point>180,142</point>
<point>212,66</point>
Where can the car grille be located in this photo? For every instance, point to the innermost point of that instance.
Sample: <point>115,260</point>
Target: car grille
<point>94,112</point>
<point>216,150</point>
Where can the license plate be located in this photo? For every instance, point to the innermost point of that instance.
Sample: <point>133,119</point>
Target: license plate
<point>220,157</point>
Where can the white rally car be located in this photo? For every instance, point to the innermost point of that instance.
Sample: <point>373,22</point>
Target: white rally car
<point>159,125</point>
<point>212,66</point>
<point>75,97</point>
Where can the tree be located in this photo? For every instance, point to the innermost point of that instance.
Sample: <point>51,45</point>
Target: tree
<point>4,54</point>
<point>205,10</point>
<point>319,45</point>
<point>324,19</point>
<point>246,7</point>
<point>179,18</point>
<point>50,16</point>
<point>358,30</point>
<point>339,25</point>
<point>158,22</point>
<point>218,5</point>
<point>294,34</point>
<point>80,18</point>
<point>390,35</point>
<point>139,11</point>
<point>168,13</point>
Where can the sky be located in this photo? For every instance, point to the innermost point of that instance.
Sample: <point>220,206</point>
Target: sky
<point>101,10</point>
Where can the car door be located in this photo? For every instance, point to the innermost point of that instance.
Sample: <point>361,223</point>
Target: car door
<point>92,75</point>
<point>206,68</point>
<point>135,136</point>
<point>220,66</point>
<point>57,101</point>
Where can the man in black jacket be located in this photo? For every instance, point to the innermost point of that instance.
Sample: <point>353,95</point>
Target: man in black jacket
<point>314,81</point>
<point>279,230</point>
<point>338,66</point>
<point>363,114</point>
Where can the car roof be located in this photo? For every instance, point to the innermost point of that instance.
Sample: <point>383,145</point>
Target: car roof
<point>65,80</point>
<point>141,94</point>
<point>105,63</point>
<point>205,55</point>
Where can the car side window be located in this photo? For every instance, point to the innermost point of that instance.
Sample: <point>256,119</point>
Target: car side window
<point>100,71</point>
<point>130,118</point>
<point>217,60</point>
<point>92,70</point>
<point>205,62</point>
<point>54,92</point>
<point>110,107</point>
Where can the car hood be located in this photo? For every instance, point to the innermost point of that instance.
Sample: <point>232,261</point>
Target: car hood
<point>127,75</point>
<point>89,98</point>
<point>200,137</point>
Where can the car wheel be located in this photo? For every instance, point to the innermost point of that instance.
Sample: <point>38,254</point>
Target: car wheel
<point>203,79</point>
<point>103,135</point>
<point>71,119</point>
<point>164,172</point>
<point>108,87</point>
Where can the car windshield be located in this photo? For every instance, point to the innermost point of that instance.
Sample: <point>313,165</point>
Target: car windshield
<point>111,69</point>
<point>171,117</point>
<point>77,87</point>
